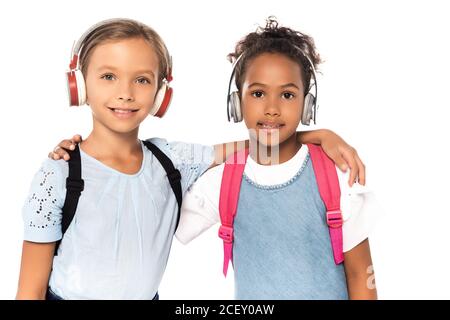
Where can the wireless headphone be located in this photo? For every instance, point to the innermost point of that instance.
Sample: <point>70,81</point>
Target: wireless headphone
<point>77,86</point>
<point>309,104</point>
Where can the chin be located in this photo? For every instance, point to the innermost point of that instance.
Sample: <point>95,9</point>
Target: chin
<point>267,143</point>
<point>123,129</point>
<point>268,138</point>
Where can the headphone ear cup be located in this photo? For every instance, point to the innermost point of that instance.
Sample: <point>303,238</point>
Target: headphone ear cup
<point>235,107</point>
<point>308,106</point>
<point>76,88</point>
<point>81,86</point>
<point>162,101</point>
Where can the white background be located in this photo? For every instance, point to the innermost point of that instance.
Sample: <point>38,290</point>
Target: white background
<point>384,89</point>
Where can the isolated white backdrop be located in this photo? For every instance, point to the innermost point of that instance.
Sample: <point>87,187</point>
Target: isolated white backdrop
<point>384,89</point>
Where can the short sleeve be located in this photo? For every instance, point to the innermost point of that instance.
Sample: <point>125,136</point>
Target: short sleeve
<point>42,210</point>
<point>360,209</point>
<point>200,208</point>
<point>191,159</point>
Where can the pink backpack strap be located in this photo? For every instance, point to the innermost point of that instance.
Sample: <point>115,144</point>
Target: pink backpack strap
<point>330,192</point>
<point>229,196</point>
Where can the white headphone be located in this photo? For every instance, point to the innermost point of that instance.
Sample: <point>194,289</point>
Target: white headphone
<point>309,106</point>
<point>77,86</point>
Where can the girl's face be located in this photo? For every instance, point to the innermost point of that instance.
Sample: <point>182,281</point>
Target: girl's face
<point>121,83</point>
<point>272,98</point>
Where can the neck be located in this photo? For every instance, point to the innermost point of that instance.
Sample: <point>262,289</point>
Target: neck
<point>275,154</point>
<point>105,143</point>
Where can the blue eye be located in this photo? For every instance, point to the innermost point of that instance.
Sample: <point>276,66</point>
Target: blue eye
<point>143,81</point>
<point>108,77</point>
<point>257,94</point>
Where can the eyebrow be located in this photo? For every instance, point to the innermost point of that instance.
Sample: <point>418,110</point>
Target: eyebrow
<point>290,85</point>
<point>106,67</point>
<point>287,85</point>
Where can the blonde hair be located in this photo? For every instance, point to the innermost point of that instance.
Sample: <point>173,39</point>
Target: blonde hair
<point>120,29</point>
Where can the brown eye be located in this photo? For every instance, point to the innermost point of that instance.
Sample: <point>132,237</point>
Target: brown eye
<point>257,94</point>
<point>288,95</point>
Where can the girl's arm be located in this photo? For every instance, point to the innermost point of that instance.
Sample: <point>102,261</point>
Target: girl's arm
<point>359,273</point>
<point>334,146</point>
<point>342,154</point>
<point>37,259</point>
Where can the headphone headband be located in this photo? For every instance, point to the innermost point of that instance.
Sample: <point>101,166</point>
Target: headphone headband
<point>78,45</point>
<point>76,48</point>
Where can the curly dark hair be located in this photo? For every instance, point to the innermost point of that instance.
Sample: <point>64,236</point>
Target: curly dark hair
<point>275,39</point>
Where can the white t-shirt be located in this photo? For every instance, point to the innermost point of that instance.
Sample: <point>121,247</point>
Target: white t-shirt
<point>200,209</point>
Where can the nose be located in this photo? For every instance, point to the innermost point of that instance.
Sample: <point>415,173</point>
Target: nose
<point>271,108</point>
<point>125,93</point>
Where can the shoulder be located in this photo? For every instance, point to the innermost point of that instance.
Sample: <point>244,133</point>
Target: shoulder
<point>183,152</point>
<point>191,159</point>
<point>42,208</point>
<point>208,185</point>
<point>200,209</point>
<point>52,172</point>
<point>205,192</point>
<point>361,211</point>
<point>352,197</point>
<point>356,188</point>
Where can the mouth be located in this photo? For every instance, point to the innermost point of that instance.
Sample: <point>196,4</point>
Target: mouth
<point>123,110</point>
<point>267,125</point>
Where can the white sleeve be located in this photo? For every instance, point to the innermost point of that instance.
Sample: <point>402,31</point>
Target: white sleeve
<point>360,211</point>
<point>200,208</point>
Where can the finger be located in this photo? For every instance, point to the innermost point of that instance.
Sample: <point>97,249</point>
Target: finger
<point>77,138</point>
<point>341,163</point>
<point>350,159</point>
<point>353,174</point>
<point>66,144</point>
<point>53,156</point>
<point>62,153</point>
<point>362,171</point>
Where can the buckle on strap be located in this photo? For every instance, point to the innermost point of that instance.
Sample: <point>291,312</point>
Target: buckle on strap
<point>334,219</point>
<point>75,184</point>
<point>226,234</point>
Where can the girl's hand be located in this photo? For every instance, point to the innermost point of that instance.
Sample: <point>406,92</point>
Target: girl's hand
<point>343,155</point>
<point>60,150</point>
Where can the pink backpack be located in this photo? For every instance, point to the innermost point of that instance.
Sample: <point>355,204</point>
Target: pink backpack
<point>327,181</point>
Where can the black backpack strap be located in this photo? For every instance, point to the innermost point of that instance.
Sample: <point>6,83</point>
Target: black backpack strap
<point>74,186</point>
<point>173,174</point>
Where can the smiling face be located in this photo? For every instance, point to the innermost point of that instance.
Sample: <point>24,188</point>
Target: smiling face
<point>272,100</point>
<point>121,84</point>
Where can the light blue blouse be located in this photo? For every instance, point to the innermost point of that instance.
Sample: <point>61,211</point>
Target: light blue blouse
<point>118,243</point>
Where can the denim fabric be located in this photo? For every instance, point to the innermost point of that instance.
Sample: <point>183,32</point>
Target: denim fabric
<point>282,247</point>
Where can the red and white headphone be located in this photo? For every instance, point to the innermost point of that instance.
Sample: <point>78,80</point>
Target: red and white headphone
<point>77,86</point>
